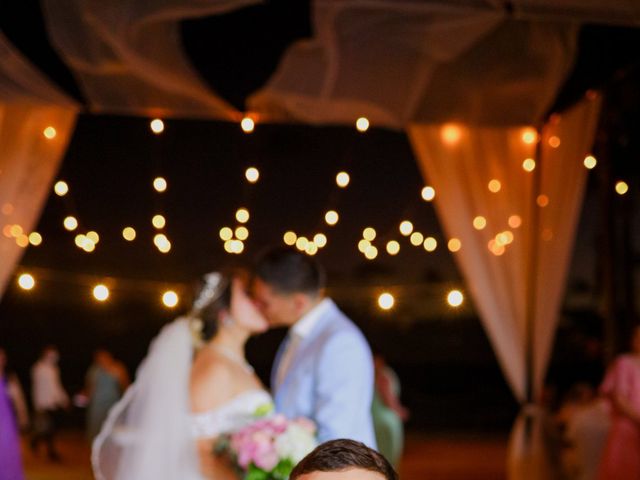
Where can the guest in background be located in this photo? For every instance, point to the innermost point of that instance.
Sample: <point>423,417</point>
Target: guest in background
<point>621,386</point>
<point>388,413</point>
<point>107,379</point>
<point>48,398</point>
<point>11,404</point>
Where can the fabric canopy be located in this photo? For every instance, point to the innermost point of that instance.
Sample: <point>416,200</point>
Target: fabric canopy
<point>29,160</point>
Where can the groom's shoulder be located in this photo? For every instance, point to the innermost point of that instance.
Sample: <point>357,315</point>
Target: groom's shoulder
<point>338,324</point>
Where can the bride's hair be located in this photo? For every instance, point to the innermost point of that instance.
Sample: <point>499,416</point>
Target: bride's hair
<point>213,296</point>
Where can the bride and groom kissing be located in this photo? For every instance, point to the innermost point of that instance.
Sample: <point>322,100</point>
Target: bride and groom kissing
<point>195,383</point>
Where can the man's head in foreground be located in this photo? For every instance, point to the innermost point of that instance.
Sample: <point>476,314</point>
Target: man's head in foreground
<point>343,460</point>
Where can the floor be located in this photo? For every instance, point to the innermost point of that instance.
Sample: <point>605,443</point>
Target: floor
<point>441,457</point>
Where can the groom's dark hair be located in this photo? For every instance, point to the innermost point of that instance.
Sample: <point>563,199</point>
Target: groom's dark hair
<point>287,270</point>
<point>340,455</point>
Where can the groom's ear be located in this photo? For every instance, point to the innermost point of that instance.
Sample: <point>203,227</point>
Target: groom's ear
<point>301,301</point>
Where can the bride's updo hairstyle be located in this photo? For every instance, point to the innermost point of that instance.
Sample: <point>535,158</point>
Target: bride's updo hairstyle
<point>213,296</point>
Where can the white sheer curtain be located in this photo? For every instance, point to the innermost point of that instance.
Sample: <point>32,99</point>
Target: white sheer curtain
<point>396,61</point>
<point>517,231</point>
<point>29,104</point>
<point>128,56</point>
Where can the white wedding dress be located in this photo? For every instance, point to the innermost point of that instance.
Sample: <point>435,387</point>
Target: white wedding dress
<point>150,433</point>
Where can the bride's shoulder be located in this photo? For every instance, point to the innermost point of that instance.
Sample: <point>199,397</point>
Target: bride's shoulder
<point>207,375</point>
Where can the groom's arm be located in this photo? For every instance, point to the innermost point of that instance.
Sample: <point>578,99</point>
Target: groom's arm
<point>344,389</point>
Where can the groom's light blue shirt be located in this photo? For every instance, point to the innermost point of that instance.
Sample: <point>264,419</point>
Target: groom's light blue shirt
<point>328,377</point>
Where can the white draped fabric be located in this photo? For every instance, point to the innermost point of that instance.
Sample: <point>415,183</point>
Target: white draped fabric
<point>128,58</point>
<point>515,257</point>
<point>398,61</point>
<point>28,160</point>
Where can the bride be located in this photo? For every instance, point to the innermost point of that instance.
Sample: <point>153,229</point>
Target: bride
<point>194,384</point>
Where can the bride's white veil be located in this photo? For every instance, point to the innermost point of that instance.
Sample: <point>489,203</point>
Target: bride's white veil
<point>147,434</point>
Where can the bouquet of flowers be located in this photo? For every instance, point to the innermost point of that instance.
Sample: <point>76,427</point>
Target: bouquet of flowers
<point>270,448</point>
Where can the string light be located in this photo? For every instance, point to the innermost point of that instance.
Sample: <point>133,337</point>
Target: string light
<point>70,223</point>
<point>495,186</point>
<point>622,187</point>
<point>50,133</point>
<point>331,217</point>
<point>515,221</point>
<point>290,238</point>
<point>160,184</point>
<point>16,230</point>
<point>242,233</point>
<point>428,194</point>
<point>320,239</point>
<point>495,247</point>
<point>242,215</point>
<point>237,246</point>
<point>450,134</point>
<point>362,124</point>
<point>7,209</point>
<point>479,222</point>
<point>371,252</point>
<point>311,248</point>
<point>22,241</point>
<point>455,298</point>
<point>6,231</point>
<point>590,162</point>
<point>35,239</point>
<point>161,241</point>
<point>529,136</point>
<point>170,299</point>
<point>301,243</point>
<point>93,236</point>
<point>454,245</point>
<point>386,301</point>
<point>158,221</point>
<point>252,174</point>
<point>129,234</point>
<point>547,235</point>
<point>247,124</point>
<point>554,142</point>
<point>542,200</point>
<point>406,227</point>
<point>430,244</point>
<point>157,126</point>
<point>363,245</point>
<point>369,233</point>
<point>26,281</point>
<point>343,179</point>
<point>416,239</point>
<point>101,292</point>
<point>61,188</point>
<point>529,165</point>
<point>393,247</point>
<point>226,234</point>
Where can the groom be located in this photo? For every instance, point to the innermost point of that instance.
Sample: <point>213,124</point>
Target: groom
<point>323,369</point>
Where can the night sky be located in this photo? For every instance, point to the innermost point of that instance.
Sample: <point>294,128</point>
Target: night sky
<point>111,162</point>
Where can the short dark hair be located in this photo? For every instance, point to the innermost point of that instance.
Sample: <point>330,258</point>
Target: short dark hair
<point>339,455</point>
<point>290,271</point>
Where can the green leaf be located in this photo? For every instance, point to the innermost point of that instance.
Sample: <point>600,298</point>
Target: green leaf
<point>255,473</point>
<point>282,470</point>
<point>264,409</point>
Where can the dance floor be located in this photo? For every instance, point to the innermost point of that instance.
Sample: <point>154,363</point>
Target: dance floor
<point>441,457</point>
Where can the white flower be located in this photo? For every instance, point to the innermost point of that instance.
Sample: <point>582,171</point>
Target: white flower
<point>295,443</point>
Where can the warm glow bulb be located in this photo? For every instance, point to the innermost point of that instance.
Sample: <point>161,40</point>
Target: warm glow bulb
<point>331,217</point>
<point>363,245</point>
<point>455,298</point>
<point>343,179</point>
<point>450,134</point>
<point>247,124</point>
<point>386,301</point>
<point>160,184</point>
<point>529,136</point>
<point>252,174</point>
<point>495,186</point>
<point>428,194</point>
<point>129,234</point>
<point>454,245</point>
<point>170,299</point>
<point>542,200</point>
<point>406,227</point>
<point>393,247</point>
<point>50,133</point>
<point>371,252</point>
<point>529,165</point>
<point>16,230</point>
<point>70,223</point>
<point>369,233</point>
<point>26,281</point>
<point>35,239</point>
<point>157,126</point>
<point>590,162</point>
<point>301,243</point>
<point>362,124</point>
<point>61,188</point>
<point>554,142</point>
<point>93,236</point>
<point>479,222</point>
<point>242,215</point>
<point>416,239</point>
<point>311,249</point>
<point>515,221</point>
<point>101,292</point>
<point>622,187</point>
<point>242,233</point>
<point>158,221</point>
<point>290,238</point>
<point>320,239</point>
<point>226,234</point>
<point>430,244</point>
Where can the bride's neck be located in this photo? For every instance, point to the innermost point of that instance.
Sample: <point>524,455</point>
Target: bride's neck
<point>231,340</point>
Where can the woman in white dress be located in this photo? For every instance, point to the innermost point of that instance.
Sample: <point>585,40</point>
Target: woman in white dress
<point>194,385</point>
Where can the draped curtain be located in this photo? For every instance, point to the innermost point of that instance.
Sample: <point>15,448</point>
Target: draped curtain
<point>29,160</point>
<point>512,196</point>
